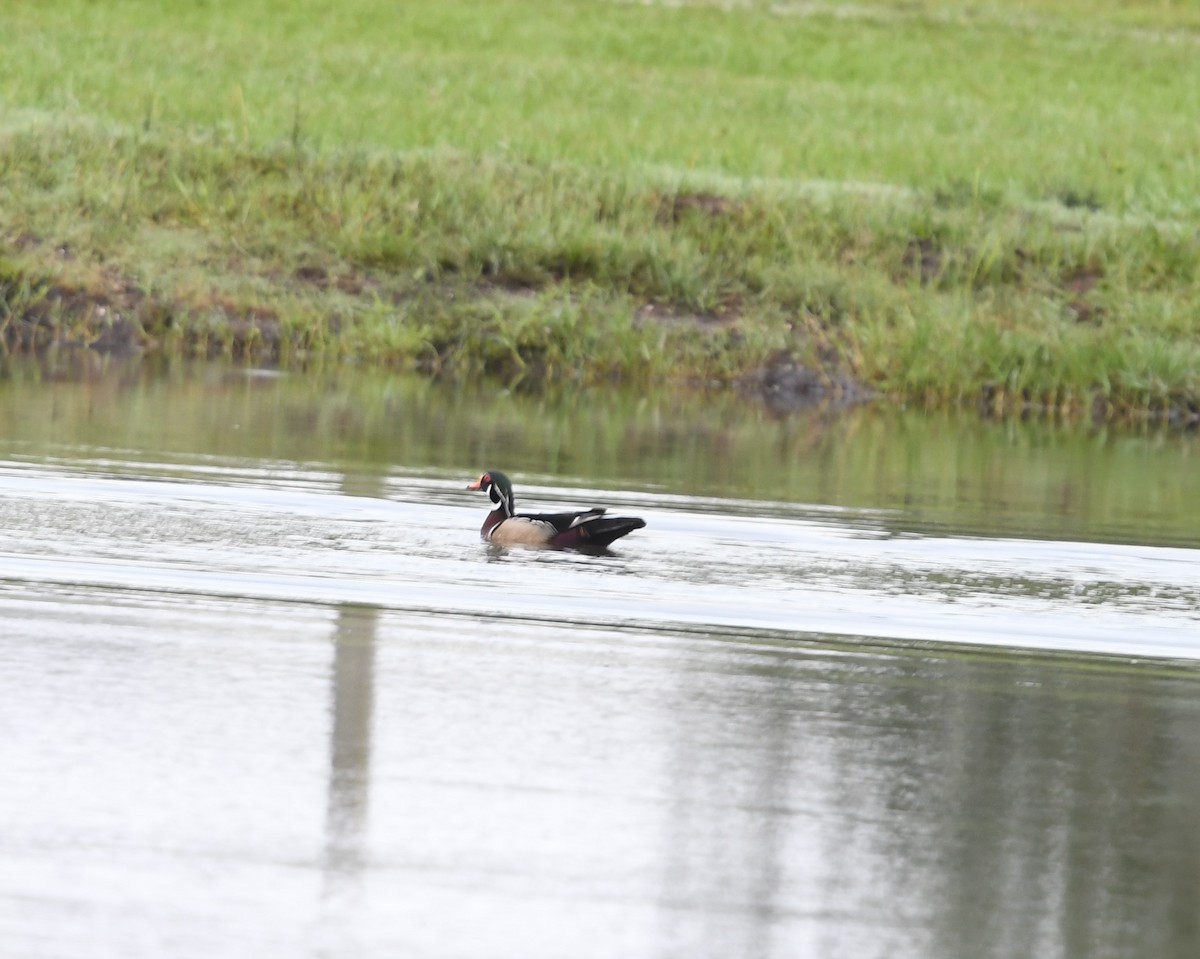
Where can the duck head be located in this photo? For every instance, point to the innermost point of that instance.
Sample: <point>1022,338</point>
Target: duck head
<point>499,488</point>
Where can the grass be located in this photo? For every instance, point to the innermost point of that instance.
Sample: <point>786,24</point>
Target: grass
<point>944,202</point>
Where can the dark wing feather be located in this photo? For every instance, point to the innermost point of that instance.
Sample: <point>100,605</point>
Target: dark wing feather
<point>565,521</point>
<point>598,532</point>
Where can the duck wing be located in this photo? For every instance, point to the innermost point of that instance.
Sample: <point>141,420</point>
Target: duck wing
<point>589,528</point>
<point>563,522</point>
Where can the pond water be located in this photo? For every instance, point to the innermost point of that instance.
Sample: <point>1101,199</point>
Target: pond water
<point>874,684</point>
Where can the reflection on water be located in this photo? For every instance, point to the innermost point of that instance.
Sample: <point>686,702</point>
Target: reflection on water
<point>263,691</point>
<point>350,758</point>
<point>934,474</point>
<point>537,790</point>
<point>353,695</point>
<point>935,807</point>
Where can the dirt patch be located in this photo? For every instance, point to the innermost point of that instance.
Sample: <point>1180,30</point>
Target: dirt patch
<point>661,314</point>
<point>320,278</point>
<point>1078,284</point>
<point>674,208</point>
<point>112,315</point>
<point>105,315</point>
<point>785,385</point>
<point>923,258</point>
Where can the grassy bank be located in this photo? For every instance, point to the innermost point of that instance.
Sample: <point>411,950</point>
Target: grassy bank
<point>938,202</point>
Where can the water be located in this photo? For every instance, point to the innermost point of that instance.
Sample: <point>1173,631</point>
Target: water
<point>874,685</point>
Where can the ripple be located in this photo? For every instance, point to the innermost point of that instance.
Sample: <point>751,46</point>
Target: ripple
<point>283,534</point>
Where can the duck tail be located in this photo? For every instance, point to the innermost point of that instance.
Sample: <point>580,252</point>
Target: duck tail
<point>601,532</point>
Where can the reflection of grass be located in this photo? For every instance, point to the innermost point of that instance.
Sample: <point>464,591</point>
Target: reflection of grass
<point>939,472</point>
<point>947,201</point>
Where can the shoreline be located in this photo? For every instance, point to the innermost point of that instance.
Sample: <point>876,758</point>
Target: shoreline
<point>248,253</point>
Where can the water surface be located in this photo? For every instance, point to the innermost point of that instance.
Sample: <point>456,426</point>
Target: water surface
<point>870,685</point>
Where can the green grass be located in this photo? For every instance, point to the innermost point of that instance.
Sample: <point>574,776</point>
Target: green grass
<point>948,202</point>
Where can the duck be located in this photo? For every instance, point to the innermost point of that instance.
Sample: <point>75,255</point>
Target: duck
<point>585,529</point>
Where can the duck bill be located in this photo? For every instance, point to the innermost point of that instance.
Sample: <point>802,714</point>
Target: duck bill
<point>478,484</point>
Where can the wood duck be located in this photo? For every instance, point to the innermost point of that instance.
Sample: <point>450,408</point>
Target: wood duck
<point>586,529</point>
